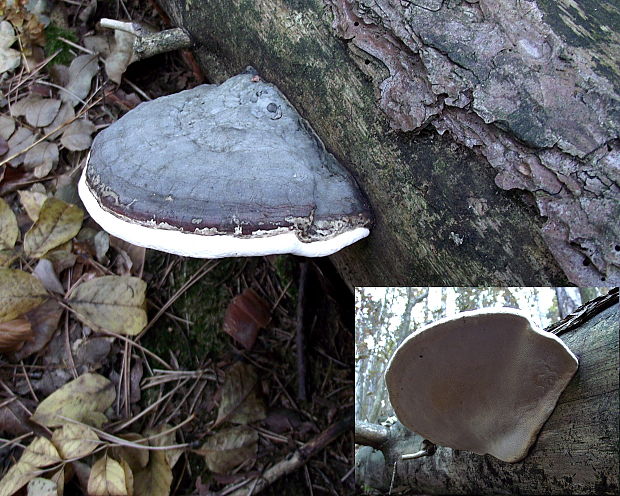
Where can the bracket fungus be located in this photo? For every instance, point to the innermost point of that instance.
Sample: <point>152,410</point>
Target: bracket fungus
<point>219,171</point>
<point>483,381</point>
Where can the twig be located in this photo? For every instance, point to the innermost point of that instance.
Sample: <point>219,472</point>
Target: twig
<point>297,459</point>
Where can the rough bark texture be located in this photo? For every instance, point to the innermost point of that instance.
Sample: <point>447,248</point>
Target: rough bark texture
<point>576,451</point>
<point>434,106</point>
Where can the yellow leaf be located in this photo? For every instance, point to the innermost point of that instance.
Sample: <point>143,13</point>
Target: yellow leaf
<point>112,303</point>
<point>128,477</point>
<point>19,292</point>
<point>59,479</point>
<point>42,487</point>
<point>17,477</point>
<point>78,400</point>
<point>229,448</point>
<point>136,458</point>
<point>32,201</point>
<point>107,478</point>
<point>75,441</point>
<point>156,478</point>
<point>7,257</point>
<point>240,401</point>
<point>40,453</point>
<point>8,226</point>
<point>58,222</point>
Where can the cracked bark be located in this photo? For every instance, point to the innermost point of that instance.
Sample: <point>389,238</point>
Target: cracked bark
<point>576,451</point>
<point>485,138</point>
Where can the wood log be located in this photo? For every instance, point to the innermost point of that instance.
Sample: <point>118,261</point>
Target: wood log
<point>429,143</point>
<point>576,451</point>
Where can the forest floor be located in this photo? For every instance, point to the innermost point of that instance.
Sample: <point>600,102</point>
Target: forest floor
<point>174,405</point>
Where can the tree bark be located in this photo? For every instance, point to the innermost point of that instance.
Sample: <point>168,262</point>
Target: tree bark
<point>576,451</point>
<point>430,136</point>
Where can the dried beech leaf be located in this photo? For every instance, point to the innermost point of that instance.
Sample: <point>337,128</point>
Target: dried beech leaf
<point>245,315</point>
<point>79,399</point>
<point>42,487</point>
<point>112,303</point>
<point>77,135</point>
<point>75,441</point>
<point>7,126</point>
<point>32,201</point>
<point>81,72</point>
<point>8,226</point>
<point>19,292</point>
<point>229,448</point>
<point>107,478</point>
<point>240,386</point>
<point>42,158</point>
<point>44,321</point>
<point>58,222</point>
<point>19,141</point>
<point>13,334</point>
<point>156,478</point>
<point>41,452</point>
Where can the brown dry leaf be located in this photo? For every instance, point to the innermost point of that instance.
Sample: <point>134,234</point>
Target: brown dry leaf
<point>32,201</point>
<point>8,226</point>
<point>39,111</point>
<point>13,334</point>
<point>113,303</point>
<point>19,292</point>
<point>42,487</point>
<point>44,272</point>
<point>58,222</point>
<point>83,399</point>
<point>107,478</point>
<point>156,478</point>
<point>77,135</point>
<point>14,416</point>
<point>18,142</point>
<point>240,402</point>
<point>81,72</point>
<point>121,56</point>
<point>168,439</point>
<point>64,115</point>
<point>245,315</point>
<point>44,321</point>
<point>7,126</point>
<point>75,441</point>
<point>9,57</point>
<point>91,352</point>
<point>42,158</point>
<point>229,448</point>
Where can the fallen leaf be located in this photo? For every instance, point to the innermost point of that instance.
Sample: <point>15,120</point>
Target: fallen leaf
<point>121,56</point>
<point>9,58</point>
<point>44,321</point>
<point>75,441</point>
<point>13,334</point>
<point>240,401</point>
<point>32,201</point>
<point>14,416</point>
<point>42,487</point>
<point>77,400</point>
<point>245,315</point>
<point>113,303</point>
<point>136,458</point>
<point>59,479</point>
<point>41,452</point>
<point>39,111</point>
<point>77,135</point>
<point>44,271</point>
<point>7,257</point>
<point>229,448</point>
<point>8,226</point>
<point>4,147</point>
<point>17,477</point>
<point>156,478</point>
<point>168,439</point>
<point>19,292</point>
<point>102,244</point>
<point>107,478</point>
<point>19,141</point>
<point>42,158</point>
<point>91,352</point>
<point>64,115</point>
<point>81,72</point>
<point>7,126</point>
<point>58,222</point>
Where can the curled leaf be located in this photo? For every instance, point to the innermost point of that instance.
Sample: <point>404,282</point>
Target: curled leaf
<point>19,292</point>
<point>58,222</point>
<point>245,315</point>
<point>13,334</point>
<point>113,303</point>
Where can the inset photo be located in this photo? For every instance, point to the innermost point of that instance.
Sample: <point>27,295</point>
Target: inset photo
<point>486,390</point>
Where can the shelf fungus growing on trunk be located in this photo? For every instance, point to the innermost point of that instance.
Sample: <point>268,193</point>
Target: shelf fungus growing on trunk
<point>483,381</point>
<point>219,171</point>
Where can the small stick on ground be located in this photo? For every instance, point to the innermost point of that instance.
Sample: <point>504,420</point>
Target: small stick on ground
<point>297,459</point>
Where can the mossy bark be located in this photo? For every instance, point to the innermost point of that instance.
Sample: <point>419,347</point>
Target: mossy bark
<point>440,218</point>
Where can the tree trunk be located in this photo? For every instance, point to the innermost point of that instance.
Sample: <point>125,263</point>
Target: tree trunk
<point>576,451</point>
<point>434,106</point>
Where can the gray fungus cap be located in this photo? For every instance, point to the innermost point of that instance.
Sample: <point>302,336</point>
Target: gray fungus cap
<point>483,381</point>
<point>216,171</point>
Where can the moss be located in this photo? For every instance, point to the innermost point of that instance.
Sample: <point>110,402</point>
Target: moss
<point>53,34</point>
